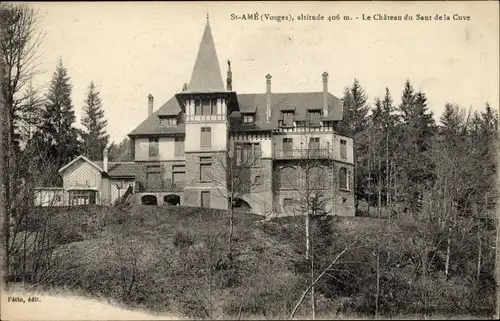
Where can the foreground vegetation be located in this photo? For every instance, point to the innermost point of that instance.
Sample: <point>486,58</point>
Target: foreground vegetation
<point>174,260</point>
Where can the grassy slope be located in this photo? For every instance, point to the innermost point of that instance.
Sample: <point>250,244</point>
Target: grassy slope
<point>105,248</point>
<point>159,258</point>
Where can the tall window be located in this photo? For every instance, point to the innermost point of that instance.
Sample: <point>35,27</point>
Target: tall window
<point>314,117</point>
<point>287,146</point>
<point>206,137</point>
<point>343,183</point>
<point>197,107</point>
<point>286,118</point>
<point>343,148</point>
<point>205,107</point>
<point>154,177</point>
<point>205,168</point>
<point>247,154</point>
<point>179,146</point>
<point>213,108</point>
<point>153,147</point>
<point>288,177</point>
<point>288,205</point>
<point>178,173</point>
<point>205,199</point>
<point>314,145</point>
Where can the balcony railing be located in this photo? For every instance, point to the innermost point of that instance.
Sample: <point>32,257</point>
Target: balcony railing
<point>162,186</point>
<point>303,153</point>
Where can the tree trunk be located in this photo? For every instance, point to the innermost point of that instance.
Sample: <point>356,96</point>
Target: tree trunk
<point>388,174</point>
<point>379,189</point>
<point>378,282</point>
<point>378,253</point>
<point>319,278</point>
<point>478,256</point>
<point>313,297</point>
<point>307,236</point>
<point>448,252</point>
<point>231,229</point>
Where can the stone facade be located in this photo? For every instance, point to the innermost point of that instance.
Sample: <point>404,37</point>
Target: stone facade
<point>218,129</point>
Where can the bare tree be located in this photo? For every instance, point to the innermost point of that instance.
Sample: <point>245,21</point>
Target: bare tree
<point>34,230</point>
<point>320,276</point>
<point>19,43</point>
<point>314,190</point>
<point>236,173</point>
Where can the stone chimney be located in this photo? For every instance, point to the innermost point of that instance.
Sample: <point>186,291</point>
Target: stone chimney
<point>325,93</point>
<point>150,105</point>
<point>268,98</point>
<point>229,80</point>
<point>105,160</point>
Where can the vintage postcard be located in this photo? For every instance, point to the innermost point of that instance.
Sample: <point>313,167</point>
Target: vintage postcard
<point>249,160</point>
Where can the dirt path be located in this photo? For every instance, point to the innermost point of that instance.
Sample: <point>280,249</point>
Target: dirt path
<point>65,307</point>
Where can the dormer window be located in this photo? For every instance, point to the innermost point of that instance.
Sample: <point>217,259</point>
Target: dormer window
<point>248,119</point>
<point>286,119</point>
<point>168,121</point>
<point>314,116</point>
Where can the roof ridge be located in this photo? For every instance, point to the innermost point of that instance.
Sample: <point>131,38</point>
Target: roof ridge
<point>290,92</point>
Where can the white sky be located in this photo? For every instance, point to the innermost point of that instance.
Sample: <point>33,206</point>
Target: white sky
<point>131,49</point>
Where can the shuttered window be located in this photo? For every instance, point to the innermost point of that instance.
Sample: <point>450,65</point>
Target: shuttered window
<point>179,146</point>
<point>178,173</point>
<point>206,137</point>
<point>205,199</point>
<point>343,148</point>
<point>205,168</point>
<point>343,179</point>
<point>153,147</point>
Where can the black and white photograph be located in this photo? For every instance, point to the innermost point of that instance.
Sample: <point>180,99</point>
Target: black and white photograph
<point>302,160</point>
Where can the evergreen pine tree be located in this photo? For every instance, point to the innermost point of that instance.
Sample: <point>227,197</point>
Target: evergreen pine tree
<point>417,131</point>
<point>94,135</point>
<point>121,152</point>
<point>57,131</point>
<point>355,110</point>
<point>354,124</point>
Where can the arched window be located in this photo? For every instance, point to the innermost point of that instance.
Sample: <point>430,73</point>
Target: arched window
<point>343,183</point>
<point>288,177</point>
<point>317,177</point>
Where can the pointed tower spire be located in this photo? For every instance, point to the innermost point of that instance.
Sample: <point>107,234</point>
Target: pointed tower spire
<point>206,76</point>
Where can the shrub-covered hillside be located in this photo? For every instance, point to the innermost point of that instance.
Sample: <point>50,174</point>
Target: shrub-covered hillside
<point>175,260</point>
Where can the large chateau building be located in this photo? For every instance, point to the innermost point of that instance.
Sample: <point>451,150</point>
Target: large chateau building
<point>265,152</point>
<point>209,146</point>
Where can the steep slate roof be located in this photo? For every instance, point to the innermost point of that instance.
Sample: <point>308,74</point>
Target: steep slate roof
<point>119,169</point>
<point>206,76</point>
<point>299,102</point>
